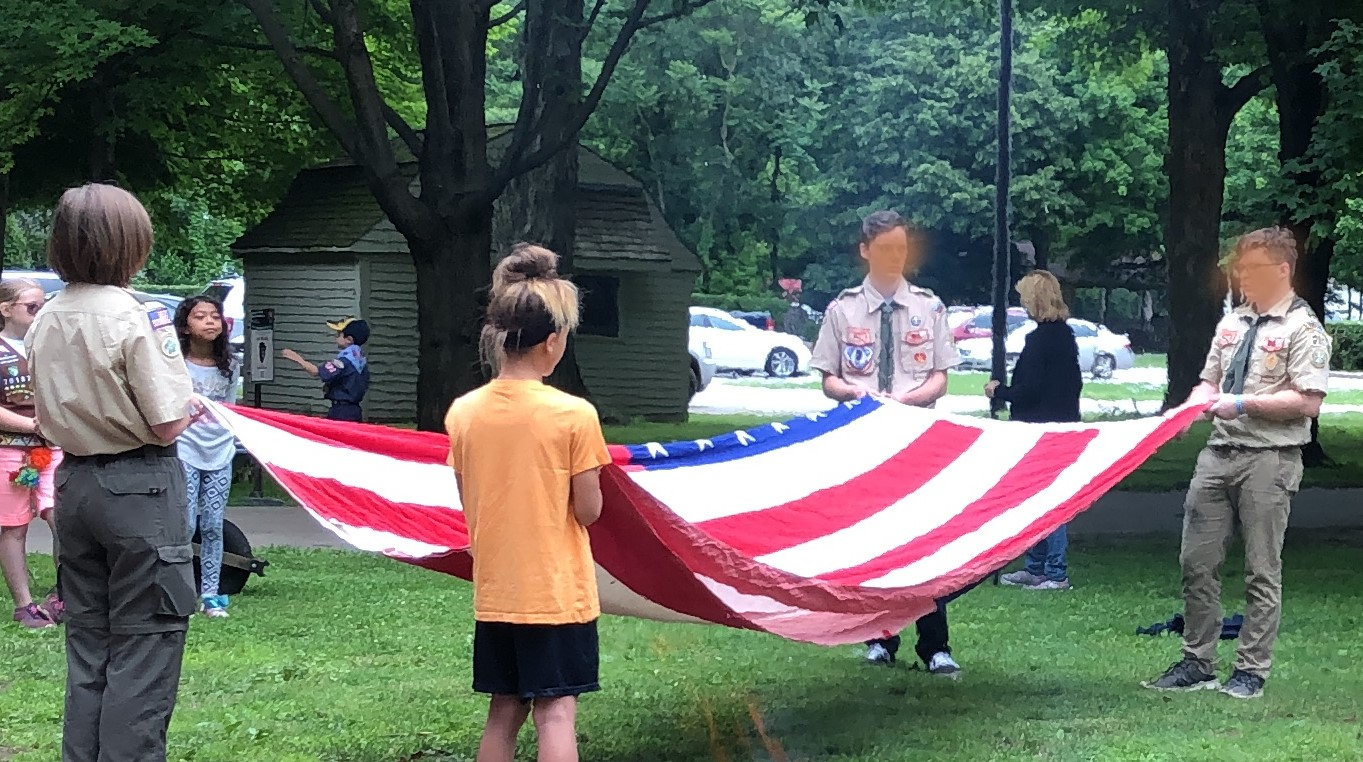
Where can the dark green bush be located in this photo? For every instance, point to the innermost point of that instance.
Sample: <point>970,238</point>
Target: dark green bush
<point>729,303</point>
<point>1348,345</point>
<point>174,289</point>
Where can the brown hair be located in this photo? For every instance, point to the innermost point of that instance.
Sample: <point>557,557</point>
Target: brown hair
<point>101,234</point>
<point>1277,242</point>
<point>13,288</point>
<point>529,301</point>
<point>1040,294</point>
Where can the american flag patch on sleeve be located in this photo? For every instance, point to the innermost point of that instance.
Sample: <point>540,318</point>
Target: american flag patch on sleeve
<point>160,318</point>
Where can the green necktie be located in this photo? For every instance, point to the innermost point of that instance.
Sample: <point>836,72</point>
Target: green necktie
<point>886,346</point>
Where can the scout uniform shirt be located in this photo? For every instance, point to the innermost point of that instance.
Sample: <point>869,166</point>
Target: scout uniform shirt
<point>851,347</point>
<point>1288,349</point>
<point>106,368</point>
<point>16,390</point>
<point>345,378</point>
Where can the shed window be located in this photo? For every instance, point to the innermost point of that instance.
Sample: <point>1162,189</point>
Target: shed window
<point>600,305</point>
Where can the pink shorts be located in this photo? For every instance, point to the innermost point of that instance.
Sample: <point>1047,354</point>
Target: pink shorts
<point>21,505</point>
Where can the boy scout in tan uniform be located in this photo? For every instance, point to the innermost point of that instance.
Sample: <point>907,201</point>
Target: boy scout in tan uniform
<point>112,392</point>
<point>899,347</point>
<point>1267,373</point>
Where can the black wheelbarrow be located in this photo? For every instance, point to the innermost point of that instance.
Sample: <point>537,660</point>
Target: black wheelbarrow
<point>238,563</point>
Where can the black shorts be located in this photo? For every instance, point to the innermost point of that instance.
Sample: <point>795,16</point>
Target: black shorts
<point>345,411</point>
<point>531,661</point>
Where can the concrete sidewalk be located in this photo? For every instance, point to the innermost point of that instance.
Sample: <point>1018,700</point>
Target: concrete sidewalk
<point>1117,513</point>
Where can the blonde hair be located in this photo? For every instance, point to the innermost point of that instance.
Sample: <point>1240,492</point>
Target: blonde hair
<point>1040,294</point>
<point>13,288</point>
<point>101,234</point>
<point>529,301</point>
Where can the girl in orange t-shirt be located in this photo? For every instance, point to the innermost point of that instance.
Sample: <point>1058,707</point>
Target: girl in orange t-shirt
<point>527,458</point>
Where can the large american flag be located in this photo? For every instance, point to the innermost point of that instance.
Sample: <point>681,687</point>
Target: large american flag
<point>832,528</point>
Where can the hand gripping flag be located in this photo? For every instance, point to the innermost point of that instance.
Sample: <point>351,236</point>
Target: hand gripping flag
<point>832,528</point>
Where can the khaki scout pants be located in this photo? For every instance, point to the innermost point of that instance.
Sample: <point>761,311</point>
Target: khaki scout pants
<point>1255,486</point>
<point>128,584</point>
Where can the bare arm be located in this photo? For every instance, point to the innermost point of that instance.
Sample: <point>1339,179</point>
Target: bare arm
<point>835,388</point>
<point>1286,405</point>
<point>586,497</point>
<point>926,393</point>
<point>167,432</point>
<point>297,359</point>
<point>19,424</point>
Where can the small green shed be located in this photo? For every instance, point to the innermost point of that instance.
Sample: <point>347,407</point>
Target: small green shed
<point>327,251</point>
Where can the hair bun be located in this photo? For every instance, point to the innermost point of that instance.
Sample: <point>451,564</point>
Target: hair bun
<point>525,262</point>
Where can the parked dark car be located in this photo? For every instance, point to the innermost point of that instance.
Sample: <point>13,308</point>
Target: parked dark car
<point>761,320</point>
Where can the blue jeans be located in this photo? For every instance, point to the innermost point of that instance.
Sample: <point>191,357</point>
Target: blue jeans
<point>1047,559</point>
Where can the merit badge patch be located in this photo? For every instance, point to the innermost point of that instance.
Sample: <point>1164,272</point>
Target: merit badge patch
<point>917,338</point>
<point>1271,361</point>
<point>858,358</point>
<point>859,336</point>
<point>916,321</point>
<point>1319,357</point>
<point>170,347</point>
<point>160,318</point>
<point>920,358</point>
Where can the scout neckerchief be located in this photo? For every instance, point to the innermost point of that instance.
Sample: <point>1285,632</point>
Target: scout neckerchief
<point>1234,382</point>
<point>887,339</point>
<point>14,380</point>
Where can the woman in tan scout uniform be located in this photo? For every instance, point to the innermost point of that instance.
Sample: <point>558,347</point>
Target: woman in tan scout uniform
<point>112,391</point>
<point>889,338</point>
<point>1266,376</point>
<point>26,461</point>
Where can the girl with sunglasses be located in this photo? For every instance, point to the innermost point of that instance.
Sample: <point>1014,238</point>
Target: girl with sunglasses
<point>27,462</point>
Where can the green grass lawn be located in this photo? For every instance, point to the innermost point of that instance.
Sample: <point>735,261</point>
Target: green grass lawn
<point>339,657</point>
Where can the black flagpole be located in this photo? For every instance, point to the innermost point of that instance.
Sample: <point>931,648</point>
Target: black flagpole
<point>1002,177</point>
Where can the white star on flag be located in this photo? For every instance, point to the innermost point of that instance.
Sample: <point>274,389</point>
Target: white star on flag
<point>704,444</point>
<point>655,450</point>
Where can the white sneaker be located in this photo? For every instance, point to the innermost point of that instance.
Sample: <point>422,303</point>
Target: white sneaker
<point>1021,578</point>
<point>877,654</point>
<point>1051,584</point>
<point>942,664</point>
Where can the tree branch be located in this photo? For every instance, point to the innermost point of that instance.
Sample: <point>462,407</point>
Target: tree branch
<point>241,45</point>
<point>321,8</point>
<point>1234,98</point>
<point>516,163</point>
<point>292,59</point>
<point>404,130</point>
<point>505,17</point>
<point>682,9</point>
<point>591,17</point>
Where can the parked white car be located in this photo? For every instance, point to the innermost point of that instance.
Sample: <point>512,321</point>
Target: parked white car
<point>702,364</point>
<point>1101,352</point>
<point>738,346</point>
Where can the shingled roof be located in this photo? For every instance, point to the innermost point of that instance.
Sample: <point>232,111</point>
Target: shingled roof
<point>330,209</point>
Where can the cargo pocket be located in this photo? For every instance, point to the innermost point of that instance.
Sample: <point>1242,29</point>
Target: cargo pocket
<point>137,503</point>
<point>175,581</point>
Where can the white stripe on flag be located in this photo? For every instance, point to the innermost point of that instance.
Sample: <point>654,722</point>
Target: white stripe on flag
<point>394,480</point>
<point>1113,441</point>
<point>786,474</point>
<point>943,497</point>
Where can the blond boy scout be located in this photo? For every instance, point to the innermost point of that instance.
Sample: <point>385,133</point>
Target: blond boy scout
<point>112,391</point>
<point>1266,375</point>
<point>890,338</point>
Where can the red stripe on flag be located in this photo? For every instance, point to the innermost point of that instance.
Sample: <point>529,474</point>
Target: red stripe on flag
<point>402,444</point>
<point>829,510</point>
<point>358,507</point>
<point>1038,469</point>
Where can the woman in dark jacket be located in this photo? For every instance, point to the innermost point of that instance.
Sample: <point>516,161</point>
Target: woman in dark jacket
<point>1045,389</point>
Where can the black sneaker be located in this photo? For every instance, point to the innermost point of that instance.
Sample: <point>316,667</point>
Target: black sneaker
<point>1183,676</point>
<point>1243,685</point>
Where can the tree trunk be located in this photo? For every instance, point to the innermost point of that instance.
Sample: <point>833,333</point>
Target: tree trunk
<point>774,256</point>
<point>450,316</point>
<point>1041,246</point>
<point>1196,165</point>
<point>1104,300</point>
<point>4,217</point>
<point>1292,33</point>
<point>540,206</point>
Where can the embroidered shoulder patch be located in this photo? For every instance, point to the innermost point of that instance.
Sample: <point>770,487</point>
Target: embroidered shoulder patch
<point>170,347</point>
<point>160,318</point>
<point>1319,357</point>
